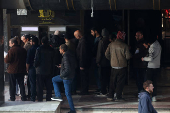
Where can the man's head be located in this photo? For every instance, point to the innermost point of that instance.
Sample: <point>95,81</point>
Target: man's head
<point>63,48</point>
<point>78,34</point>
<point>44,40</point>
<point>112,37</point>
<point>139,35</point>
<point>121,35</point>
<point>25,38</point>
<point>56,32</point>
<point>94,31</point>
<point>66,37</point>
<point>12,42</point>
<point>148,86</point>
<point>34,40</point>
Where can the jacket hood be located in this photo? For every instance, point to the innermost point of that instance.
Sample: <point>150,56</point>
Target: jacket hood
<point>141,94</point>
<point>105,32</point>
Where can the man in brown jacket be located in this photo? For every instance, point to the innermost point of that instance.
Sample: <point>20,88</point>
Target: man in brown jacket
<point>118,54</point>
<point>16,58</point>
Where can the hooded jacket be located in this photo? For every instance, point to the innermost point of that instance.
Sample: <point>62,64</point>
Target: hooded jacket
<point>102,46</point>
<point>154,55</point>
<point>145,103</point>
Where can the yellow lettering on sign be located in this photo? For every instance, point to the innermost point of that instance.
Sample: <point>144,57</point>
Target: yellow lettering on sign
<point>46,13</point>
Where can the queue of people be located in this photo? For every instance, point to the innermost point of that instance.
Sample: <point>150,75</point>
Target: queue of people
<point>62,60</point>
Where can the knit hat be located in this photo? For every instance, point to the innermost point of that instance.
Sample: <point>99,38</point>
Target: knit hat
<point>105,32</point>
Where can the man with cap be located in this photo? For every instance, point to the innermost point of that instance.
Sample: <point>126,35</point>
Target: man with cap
<point>118,54</point>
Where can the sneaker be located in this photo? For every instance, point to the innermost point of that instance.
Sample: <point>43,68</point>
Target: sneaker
<point>101,95</point>
<point>110,99</point>
<point>57,98</point>
<point>154,99</point>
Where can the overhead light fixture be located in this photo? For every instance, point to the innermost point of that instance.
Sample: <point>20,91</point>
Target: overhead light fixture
<point>92,9</point>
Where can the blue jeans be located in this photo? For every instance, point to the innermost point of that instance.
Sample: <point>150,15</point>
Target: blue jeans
<point>67,86</point>
<point>32,78</point>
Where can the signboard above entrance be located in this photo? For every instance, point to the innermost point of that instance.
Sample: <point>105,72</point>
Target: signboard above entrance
<point>46,17</point>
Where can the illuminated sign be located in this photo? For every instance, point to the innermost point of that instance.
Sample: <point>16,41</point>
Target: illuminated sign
<point>46,16</point>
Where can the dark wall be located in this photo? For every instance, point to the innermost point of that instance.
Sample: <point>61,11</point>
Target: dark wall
<point>61,18</point>
<point>1,59</point>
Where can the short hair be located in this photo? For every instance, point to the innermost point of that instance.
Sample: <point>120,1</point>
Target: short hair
<point>64,47</point>
<point>141,32</point>
<point>95,29</point>
<point>14,41</point>
<point>34,39</point>
<point>67,36</point>
<point>147,83</point>
<point>27,36</point>
<point>112,36</point>
<point>44,40</point>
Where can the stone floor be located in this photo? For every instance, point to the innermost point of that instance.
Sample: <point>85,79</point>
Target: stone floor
<point>88,103</point>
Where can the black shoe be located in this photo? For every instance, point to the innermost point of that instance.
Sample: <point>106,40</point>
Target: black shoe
<point>84,93</point>
<point>97,91</point>
<point>73,93</point>
<point>57,98</point>
<point>119,99</point>
<point>72,112</point>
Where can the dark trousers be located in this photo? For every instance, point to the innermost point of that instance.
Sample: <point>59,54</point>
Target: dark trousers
<point>12,84</point>
<point>140,75</point>
<point>84,80</point>
<point>117,82</point>
<point>41,81</point>
<point>29,87</point>
<point>105,79</point>
<point>151,74</point>
<point>32,80</point>
<point>74,82</point>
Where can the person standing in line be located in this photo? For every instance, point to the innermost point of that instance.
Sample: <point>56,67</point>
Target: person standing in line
<point>67,73</point>
<point>30,67</point>
<point>145,103</point>
<point>139,66</point>
<point>72,48</point>
<point>118,53</point>
<point>16,58</point>
<point>83,57</point>
<point>154,59</point>
<point>44,63</point>
<point>103,62</point>
<point>27,46</point>
<point>96,34</point>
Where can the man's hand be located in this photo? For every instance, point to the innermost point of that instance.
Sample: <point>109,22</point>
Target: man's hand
<point>59,66</point>
<point>81,68</point>
<point>142,59</point>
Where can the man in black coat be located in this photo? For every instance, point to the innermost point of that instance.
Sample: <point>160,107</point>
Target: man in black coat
<point>139,66</point>
<point>44,64</point>
<point>83,57</point>
<point>67,73</point>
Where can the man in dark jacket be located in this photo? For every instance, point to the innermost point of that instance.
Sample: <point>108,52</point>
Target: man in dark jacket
<point>145,103</point>
<point>66,76</point>
<point>16,58</point>
<point>30,67</point>
<point>95,33</point>
<point>103,62</point>
<point>140,67</point>
<point>83,61</point>
<point>44,64</point>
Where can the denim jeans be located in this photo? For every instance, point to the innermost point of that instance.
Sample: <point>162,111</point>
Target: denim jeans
<point>32,78</point>
<point>67,86</point>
